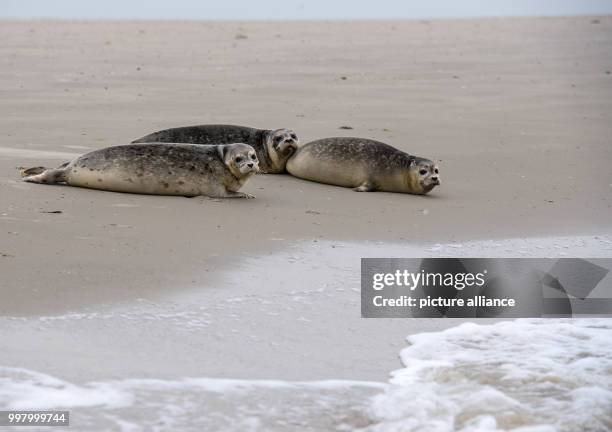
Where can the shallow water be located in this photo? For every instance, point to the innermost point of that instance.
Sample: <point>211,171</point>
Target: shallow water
<point>542,375</point>
<point>527,375</point>
<point>192,404</point>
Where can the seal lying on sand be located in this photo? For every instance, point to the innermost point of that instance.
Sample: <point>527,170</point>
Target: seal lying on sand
<point>365,165</point>
<point>160,169</point>
<point>273,147</point>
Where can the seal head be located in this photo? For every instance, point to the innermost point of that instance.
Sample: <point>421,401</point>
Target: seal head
<point>280,145</point>
<point>240,159</point>
<point>423,175</point>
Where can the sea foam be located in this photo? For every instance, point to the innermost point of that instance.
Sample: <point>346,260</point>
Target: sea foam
<point>523,375</point>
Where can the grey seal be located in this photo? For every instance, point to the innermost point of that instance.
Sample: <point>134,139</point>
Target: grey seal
<point>273,147</point>
<point>365,165</point>
<point>189,170</point>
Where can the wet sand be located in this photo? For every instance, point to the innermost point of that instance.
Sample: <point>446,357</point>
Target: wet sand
<point>294,314</point>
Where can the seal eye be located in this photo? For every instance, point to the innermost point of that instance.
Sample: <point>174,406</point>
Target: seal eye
<point>294,136</point>
<point>436,170</point>
<point>253,157</point>
<point>239,159</point>
<point>423,172</point>
<point>278,138</point>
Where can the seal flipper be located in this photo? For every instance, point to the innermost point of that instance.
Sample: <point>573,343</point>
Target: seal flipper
<point>25,172</point>
<point>240,195</point>
<point>232,194</point>
<point>43,175</point>
<point>365,187</point>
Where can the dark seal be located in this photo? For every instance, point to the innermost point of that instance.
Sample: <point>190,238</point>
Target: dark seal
<point>273,147</point>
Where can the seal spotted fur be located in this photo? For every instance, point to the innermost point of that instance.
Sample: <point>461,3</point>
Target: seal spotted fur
<point>161,169</point>
<point>365,165</point>
<point>273,147</point>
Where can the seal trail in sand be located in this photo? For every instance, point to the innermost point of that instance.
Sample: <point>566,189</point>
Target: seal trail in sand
<point>160,169</point>
<point>365,165</point>
<point>273,147</point>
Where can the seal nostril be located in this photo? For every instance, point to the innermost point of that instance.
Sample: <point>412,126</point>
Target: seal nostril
<point>250,164</point>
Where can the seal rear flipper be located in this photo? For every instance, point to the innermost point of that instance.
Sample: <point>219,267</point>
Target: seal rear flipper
<point>48,176</point>
<point>25,172</point>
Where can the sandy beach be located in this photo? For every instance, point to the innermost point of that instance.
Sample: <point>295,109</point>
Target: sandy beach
<point>516,111</point>
<point>107,286</point>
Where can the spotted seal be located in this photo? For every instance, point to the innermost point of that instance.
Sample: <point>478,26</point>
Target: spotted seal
<point>160,169</point>
<point>365,165</point>
<point>273,147</point>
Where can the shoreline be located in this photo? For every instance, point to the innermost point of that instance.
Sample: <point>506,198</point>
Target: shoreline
<point>215,268</point>
<point>282,308</point>
<point>515,112</point>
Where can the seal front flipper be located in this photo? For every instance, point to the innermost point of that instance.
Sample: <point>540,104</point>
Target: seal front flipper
<point>231,194</point>
<point>366,187</point>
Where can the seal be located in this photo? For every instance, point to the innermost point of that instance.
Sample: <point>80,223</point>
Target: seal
<point>365,165</point>
<point>217,171</point>
<point>273,147</point>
